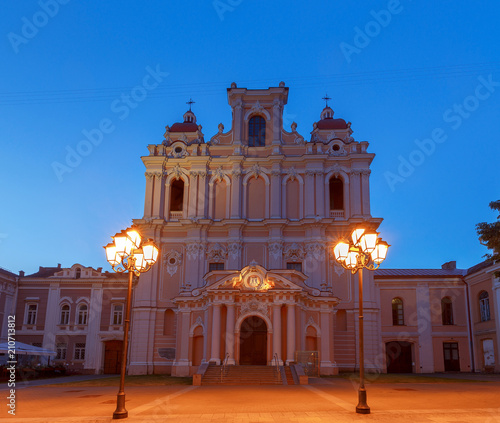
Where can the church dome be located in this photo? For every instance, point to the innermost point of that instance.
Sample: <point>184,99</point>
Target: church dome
<point>328,122</point>
<point>189,124</point>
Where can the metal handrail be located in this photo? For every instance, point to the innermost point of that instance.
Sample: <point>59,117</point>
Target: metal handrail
<point>277,366</point>
<point>223,367</point>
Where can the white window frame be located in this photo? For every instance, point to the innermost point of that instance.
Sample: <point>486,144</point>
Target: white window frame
<point>30,316</point>
<point>67,313</point>
<point>82,316</point>
<point>115,313</point>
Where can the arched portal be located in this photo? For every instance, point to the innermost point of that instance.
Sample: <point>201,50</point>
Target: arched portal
<point>253,341</point>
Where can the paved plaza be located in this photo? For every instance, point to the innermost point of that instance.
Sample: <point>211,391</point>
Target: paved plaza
<point>324,400</point>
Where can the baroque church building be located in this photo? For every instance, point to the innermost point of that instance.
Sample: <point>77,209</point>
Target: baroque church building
<point>245,222</point>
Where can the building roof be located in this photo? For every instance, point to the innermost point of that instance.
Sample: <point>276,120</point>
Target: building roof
<point>184,127</point>
<point>480,266</point>
<point>331,123</point>
<point>45,272</point>
<point>419,273</point>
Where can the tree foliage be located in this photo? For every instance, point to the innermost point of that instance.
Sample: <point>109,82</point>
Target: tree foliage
<point>489,234</point>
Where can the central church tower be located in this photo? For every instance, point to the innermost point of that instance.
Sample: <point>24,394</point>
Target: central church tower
<point>246,221</point>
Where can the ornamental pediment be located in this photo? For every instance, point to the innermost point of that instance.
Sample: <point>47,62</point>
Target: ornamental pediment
<point>253,278</point>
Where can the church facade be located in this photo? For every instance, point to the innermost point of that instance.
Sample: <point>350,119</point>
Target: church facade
<point>246,221</point>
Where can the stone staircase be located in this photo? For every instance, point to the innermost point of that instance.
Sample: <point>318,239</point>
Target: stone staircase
<point>241,375</point>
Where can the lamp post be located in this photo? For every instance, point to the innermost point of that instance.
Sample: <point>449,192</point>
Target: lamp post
<point>127,254</point>
<point>365,250</point>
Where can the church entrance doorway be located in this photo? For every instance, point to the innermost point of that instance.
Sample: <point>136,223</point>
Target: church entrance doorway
<point>253,341</point>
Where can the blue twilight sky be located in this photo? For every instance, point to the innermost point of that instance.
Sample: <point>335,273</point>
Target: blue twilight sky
<point>400,71</point>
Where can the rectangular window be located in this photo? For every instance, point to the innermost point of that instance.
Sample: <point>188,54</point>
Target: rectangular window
<point>31,311</point>
<point>294,266</point>
<point>117,317</point>
<point>80,351</point>
<point>61,350</point>
<point>215,266</point>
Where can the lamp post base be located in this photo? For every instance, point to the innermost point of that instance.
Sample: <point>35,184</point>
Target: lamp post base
<point>362,407</point>
<point>120,412</point>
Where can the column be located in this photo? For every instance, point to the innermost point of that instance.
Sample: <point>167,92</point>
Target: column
<point>424,324</point>
<point>216,334</point>
<point>149,194</point>
<point>181,364</point>
<point>320,194</point>
<point>275,193</point>
<point>325,362</point>
<point>93,345</point>
<point>365,191</point>
<point>309,193</point>
<point>202,194</point>
<point>230,333</point>
<point>290,333</point>
<point>355,186</point>
<point>236,194</point>
<point>277,331</point>
<point>158,192</point>
<point>193,191</point>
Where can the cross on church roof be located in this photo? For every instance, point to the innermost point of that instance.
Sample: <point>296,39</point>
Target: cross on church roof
<point>190,102</point>
<point>326,98</point>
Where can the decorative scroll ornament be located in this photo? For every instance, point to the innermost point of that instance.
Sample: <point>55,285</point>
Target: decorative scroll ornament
<point>254,306</point>
<point>257,108</point>
<point>315,250</point>
<point>234,249</point>
<point>276,249</point>
<point>172,260</point>
<point>236,173</point>
<point>292,173</point>
<point>216,252</point>
<point>294,252</point>
<point>256,170</point>
<point>218,174</point>
<point>195,250</point>
<point>166,135</point>
<point>176,171</point>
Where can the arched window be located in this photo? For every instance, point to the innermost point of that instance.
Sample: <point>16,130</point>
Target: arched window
<point>177,195</point>
<point>398,318</point>
<point>257,132</point>
<point>446,311</point>
<point>64,320</point>
<point>484,306</point>
<point>336,194</point>
<point>78,273</point>
<point>82,314</point>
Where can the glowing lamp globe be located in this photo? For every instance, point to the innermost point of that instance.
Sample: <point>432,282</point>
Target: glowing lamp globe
<point>356,236</point>
<point>352,259</point>
<point>340,251</point>
<point>379,254</point>
<point>368,241</point>
<point>111,256</point>
<point>150,251</point>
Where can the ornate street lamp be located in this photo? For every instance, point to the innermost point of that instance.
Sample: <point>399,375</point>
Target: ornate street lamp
<point>127,253</point>
<point>366,250</point>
